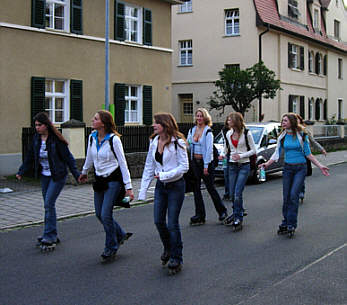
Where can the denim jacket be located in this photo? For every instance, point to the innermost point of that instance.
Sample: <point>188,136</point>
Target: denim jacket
<point>59,156</point>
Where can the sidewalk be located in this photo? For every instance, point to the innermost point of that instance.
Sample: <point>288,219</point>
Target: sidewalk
<point>24,206</point>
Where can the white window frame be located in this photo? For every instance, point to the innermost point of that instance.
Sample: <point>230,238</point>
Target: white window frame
<point>311,109</point>
<point>337,29</point>
<point>310,61</point>
<point>186,7</point>
<point>293,5</point>
<point>139,102</point>
<point>295,104</point>
<point>128,19</point>
<point>294,52</point>
<point>66,23</point>
<point>232,15</point>
<point>186,48</point>
<point>53,95</point>
<point>316,18</point>
<point>320,64</point>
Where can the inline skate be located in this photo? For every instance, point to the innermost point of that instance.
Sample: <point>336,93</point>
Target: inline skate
<point>197,220</point>
<point>174,266</point>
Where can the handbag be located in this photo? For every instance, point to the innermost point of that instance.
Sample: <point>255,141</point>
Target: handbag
<point>309,167</point>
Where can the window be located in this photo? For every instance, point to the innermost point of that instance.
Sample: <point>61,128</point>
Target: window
<point>325,109</point>
<point>57,13</point>
<point>293,11</point>
<point>339,68</point>
<point>56,102</point>
<point>318,111</point>
<point>188,108</point>
<point>310,61</point>
<point>186,52</point>
<point>232,66</point>
<point>293,105</point>
<point>296,57</point>
<point>316,19</point>
<point>132,104</point>
<point>336,29</point>
<point>232,22</point>
<point>318,63</point>
<point>339,109</point>
<point>133,20</point>
<point>310,108</point>
<point>186,7</point>
<point>337,3</point>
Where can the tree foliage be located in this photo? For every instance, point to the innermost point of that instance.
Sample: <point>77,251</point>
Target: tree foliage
<point>238,88</point>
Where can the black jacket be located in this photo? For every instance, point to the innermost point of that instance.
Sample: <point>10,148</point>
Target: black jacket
<point>59,156</point>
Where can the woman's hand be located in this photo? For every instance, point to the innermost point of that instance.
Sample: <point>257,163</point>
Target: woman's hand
<point>324,152</point>
<point>19,177</point>
<point>324,170</point>
<point>206,171</point>
<point>264,165</point>
<point>236,157</point>
<point>130,193</point>
<point>83,178</point>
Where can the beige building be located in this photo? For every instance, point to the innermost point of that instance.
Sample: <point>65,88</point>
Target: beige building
<point>52,58</point>
<point>303,41</point>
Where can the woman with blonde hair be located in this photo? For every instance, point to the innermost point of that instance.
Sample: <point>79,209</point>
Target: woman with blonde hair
<point>200,139</point>
<point>167,161</point>
<point>105,152</point>
<point>239,149</point>
<point>296,148</point>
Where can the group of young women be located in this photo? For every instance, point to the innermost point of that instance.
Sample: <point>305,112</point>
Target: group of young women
<point>170,156</point>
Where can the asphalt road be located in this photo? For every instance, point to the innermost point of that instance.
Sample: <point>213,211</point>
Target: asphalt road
<point>254,266</point>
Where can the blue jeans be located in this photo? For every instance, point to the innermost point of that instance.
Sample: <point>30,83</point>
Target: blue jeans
<point>168,197</point>
<point>50,192</point>
<point>198,167</point>
<point>238,175</point>
<point>103,202</point>
<point>293,180</point>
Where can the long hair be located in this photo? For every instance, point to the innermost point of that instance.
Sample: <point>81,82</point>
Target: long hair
<point>42,117</point>
<point>170,126</point>
<point>109,124</point>
<point>294,122</point>
<point>239,123</point>
<point>205,115</point>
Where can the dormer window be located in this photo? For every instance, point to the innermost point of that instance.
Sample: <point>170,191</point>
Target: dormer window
<point>316,19</point>
<point>293,10</point>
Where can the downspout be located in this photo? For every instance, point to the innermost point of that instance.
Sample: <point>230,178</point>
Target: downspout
<point>260,59</point>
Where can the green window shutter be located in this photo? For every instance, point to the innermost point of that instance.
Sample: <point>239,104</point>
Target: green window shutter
<point>119,103</point>
<point>37,96</point>
<point>76,100</point>
<point>325,110</point>
<point>317,70</point>
<point>290,103</point>
<point>290,56</point>
<point>147,105</point>
<point>302,106</point>
<point>38,8</point>
<point>119,21</point>
<point>325,65</point>
<point>76,17</point>
<point>302,58</point>
<point>147,27</point>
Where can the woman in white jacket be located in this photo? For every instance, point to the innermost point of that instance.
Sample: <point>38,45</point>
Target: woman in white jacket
<point>167,161</point>
<point>111,171</point>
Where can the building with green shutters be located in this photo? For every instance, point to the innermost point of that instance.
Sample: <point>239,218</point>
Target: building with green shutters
<point>52,58</point>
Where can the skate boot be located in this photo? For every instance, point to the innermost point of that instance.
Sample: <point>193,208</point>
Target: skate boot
<point>174,266</point>
<point>229,220</point>
<point>165,258</point>
<point>39,241</point>
<point>197,220</point>
<point>108,255</point>
<point>282,229</point>
<point>290,231</point>
<point>125,238</point>
<point>237,225</point>
<point>47,246</point>
<point>222,217</point>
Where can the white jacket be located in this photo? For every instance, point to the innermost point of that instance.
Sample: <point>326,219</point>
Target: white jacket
<point>104,161</point>
<point>175,164</point>
<point>241,148</point>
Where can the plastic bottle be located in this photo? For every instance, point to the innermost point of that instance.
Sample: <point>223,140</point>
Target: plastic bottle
<point>126,199</point>
<point>262,174</point>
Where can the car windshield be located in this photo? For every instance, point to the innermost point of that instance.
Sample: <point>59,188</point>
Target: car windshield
<point>255,130</point>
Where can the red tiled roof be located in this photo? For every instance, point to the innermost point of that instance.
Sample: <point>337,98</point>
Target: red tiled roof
<point>268,13</point>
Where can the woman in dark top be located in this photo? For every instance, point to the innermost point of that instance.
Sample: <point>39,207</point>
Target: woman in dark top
<point>49,155</point>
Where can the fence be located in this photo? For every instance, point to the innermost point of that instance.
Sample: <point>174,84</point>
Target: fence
<point>327,131</point>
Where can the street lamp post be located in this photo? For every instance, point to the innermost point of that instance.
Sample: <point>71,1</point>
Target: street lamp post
<point>107,57</point>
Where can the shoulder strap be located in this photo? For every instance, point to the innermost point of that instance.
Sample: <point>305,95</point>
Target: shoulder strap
<point>110,140</point>
<point>246,139</point>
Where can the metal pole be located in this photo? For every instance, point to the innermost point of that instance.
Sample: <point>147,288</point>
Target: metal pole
<point>107,57</point>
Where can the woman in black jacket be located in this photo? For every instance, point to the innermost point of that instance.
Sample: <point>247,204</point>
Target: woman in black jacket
<point>49,155</point>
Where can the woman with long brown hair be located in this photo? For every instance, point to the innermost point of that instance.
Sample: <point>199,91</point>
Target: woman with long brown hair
<point>239,164</point>
<point>167,161</point>
<point>50,155</point>
<point>296,148</point>
<point>200,139</point>
<point>105,152</point>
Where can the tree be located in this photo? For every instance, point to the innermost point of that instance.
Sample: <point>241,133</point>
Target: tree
<point>238,88</point>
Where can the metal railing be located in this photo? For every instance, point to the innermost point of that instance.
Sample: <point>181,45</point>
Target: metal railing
<point>326,131</point>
